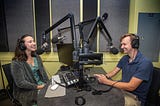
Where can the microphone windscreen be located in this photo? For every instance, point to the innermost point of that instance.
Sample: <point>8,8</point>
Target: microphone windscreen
<point>54,40</point>
<point>114,50</point>
<point>39,51</point>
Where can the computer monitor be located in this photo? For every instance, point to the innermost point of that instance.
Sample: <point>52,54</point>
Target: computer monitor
<point>65,53</point>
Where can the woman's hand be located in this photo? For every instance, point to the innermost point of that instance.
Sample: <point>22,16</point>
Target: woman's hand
<point>40,86</point>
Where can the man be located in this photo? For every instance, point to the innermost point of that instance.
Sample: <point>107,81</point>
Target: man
<point>136,70</point>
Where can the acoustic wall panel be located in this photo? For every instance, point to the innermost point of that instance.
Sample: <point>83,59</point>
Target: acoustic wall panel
<point>42,21</point>
<point>60,9</point>
<point>117,21</point>
<point>3,29</point>
<point>19,20</point>
<point>90,12</point>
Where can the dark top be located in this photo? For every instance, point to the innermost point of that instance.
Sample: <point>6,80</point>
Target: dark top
<point>140,68</point>
<point>25,87</point>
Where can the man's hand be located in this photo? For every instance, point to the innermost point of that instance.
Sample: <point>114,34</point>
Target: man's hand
<point>101,78</point>
<point>104,80</point>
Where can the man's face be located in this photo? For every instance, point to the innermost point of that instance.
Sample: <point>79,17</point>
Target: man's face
<point>29,43</point>
<point>126,45</point>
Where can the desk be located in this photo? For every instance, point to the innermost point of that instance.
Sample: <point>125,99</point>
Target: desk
<point>112,98</point>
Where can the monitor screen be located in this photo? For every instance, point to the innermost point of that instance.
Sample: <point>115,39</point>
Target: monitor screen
<point>65,53</point>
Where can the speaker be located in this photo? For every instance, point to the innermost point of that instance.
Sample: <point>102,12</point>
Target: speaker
<point>135,41</point>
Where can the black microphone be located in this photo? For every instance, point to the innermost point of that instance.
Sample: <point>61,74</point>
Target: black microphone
<point>104,16</point>
<point>41,50</point>
<point>56,39</point>
<point>113,50</point>
<point>43,37</point>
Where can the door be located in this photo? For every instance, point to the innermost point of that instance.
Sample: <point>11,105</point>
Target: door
<point>149,32</point>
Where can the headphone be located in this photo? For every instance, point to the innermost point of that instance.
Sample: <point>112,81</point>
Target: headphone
<point>80,101</point>
<point>21,44</point>
<point>135,41</point>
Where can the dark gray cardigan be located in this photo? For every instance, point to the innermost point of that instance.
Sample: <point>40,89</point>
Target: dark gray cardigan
<point>25,87</point>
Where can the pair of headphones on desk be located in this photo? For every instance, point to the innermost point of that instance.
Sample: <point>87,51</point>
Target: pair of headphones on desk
<point>80,101</point>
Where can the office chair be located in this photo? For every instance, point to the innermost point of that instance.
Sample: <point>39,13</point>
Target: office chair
<point>153,94</point>
<point>9,88</point>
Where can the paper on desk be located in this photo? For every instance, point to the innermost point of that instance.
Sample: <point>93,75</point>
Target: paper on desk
<point>60,91</point>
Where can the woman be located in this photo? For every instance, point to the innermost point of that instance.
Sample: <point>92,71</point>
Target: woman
<point>28,71</point>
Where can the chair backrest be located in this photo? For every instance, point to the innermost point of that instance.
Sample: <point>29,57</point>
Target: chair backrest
<point>7,72</point>
<point>153,94</point>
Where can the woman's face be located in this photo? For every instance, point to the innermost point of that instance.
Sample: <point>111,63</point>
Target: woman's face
<point>30,44</point>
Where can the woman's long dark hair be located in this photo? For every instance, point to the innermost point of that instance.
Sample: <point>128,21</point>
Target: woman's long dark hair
<point>20,54</point>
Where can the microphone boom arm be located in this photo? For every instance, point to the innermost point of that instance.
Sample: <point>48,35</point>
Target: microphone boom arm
<point>80,25</point>
<point>99,21</point>
<point>72,25</point>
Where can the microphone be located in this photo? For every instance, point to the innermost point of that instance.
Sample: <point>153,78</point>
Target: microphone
<point>104,16</point>
<point>44,37</point>
<point>113,50</point>
<point>56,39</point>
<point>41,50</point>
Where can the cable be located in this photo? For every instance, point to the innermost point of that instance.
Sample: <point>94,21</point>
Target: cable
<point>60,84</point>
<point>99,92</point>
